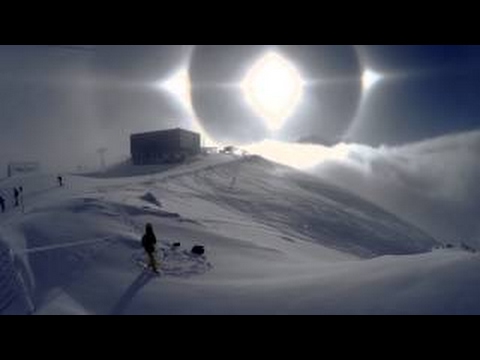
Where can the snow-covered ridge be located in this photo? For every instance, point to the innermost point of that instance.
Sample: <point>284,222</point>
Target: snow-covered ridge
<point>277,240</point>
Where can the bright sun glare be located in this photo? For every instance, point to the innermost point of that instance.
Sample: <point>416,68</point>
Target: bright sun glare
<point>179,85</point>
<point>274,88</point>
<point>299,156</point>
<point>370,78</point>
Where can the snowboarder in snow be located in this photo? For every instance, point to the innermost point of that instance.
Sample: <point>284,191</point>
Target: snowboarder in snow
<point>60,181</point>
<point>149,242</point>
<point>2,204</point>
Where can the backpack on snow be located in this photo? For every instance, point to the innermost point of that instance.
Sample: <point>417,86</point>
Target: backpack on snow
<point>198,250</point>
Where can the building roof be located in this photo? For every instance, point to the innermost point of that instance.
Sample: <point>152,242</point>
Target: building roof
<point>162,132</point>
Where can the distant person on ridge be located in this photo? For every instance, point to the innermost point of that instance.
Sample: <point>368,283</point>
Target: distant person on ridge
<point>149,242</point>
<point>2,204</point>
<point>60,181</point>
<point>16,195</point>
<point>20,189</point>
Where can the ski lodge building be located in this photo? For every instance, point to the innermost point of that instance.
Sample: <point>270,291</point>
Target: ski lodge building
<point>168,146</point>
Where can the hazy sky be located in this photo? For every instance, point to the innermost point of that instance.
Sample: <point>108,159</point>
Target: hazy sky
<point>59,104</point>
<point>432,90</point>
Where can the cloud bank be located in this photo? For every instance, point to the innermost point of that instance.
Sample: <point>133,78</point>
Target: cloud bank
<point>434,184</point>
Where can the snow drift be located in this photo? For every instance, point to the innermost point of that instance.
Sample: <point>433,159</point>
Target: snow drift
<point>278,242</point>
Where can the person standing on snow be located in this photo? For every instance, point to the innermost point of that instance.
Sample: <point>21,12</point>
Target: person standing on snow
<point>16,195</point>
<point>149,242</point>
<point>21,198</point>
<point>2,204</point>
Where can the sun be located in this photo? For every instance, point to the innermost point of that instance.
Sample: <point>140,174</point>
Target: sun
<point>273,87</point>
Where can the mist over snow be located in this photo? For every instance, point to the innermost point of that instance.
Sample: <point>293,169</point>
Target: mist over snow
<point>433,184</point>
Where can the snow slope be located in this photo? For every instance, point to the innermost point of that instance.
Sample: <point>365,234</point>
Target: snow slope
<point>278,242</point>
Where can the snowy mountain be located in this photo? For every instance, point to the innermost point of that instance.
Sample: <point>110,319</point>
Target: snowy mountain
<point>278,242</point>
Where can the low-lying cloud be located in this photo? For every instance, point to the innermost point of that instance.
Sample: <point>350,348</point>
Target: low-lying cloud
<point>433,184</point>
